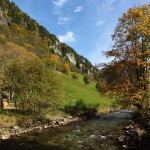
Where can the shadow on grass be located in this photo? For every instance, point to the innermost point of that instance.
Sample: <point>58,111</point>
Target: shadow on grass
<point>11,111</point>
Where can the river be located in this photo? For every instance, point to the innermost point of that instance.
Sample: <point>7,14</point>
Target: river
<point>98,133</point>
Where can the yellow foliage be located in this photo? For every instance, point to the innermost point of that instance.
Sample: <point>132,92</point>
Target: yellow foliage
<point>28,46</point>
<point>2,36</point>
<point>7,121</point>
<point>55,59</point>
<point>128,71</point>
<point>13,51</point>
<point>137,96</point>
<point>66,68</point>
<point>15,27</point>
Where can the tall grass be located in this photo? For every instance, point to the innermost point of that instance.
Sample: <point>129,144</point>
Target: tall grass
<point>7,119</point>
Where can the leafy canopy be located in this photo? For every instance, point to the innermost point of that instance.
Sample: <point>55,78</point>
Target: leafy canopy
<point>128,72</point>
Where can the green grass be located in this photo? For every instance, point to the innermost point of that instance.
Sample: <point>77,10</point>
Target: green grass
<point>77,90</point>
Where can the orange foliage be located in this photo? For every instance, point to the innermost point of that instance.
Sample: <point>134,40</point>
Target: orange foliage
<point>66,68</point>
<point>55,59</point>
<point>128,72</point>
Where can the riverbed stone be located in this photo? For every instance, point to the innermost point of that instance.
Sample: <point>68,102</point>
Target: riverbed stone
<point>103,137</point>
<point>45,126</point>
<point>121,138</point>
<point>4,136</point>
<point>125,146</point>
<point>66,121</point>
<point>69,117</point>
<point>16,127</point>
<point>92,136</point>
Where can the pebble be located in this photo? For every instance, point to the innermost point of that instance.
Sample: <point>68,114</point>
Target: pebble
<point>103,137</point>
<point>92,136</point>
<point>121,138</point>
<point>5,136</point>
<point>125,146</point>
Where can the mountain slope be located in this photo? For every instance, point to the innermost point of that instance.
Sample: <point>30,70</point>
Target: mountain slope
<point>26,32</point>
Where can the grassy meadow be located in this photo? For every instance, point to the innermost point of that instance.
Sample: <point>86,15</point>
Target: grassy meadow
<point>77,90</point>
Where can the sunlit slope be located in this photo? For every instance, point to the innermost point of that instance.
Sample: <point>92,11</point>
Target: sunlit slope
<point>77,90</point>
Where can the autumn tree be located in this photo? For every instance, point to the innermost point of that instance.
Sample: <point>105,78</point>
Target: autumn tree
<point>55,62</point>
<point>128,73</point>
<point>66,68</point>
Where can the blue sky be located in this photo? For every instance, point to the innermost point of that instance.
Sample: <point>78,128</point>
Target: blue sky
<point>85,25</point>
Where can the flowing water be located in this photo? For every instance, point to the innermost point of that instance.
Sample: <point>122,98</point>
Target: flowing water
<point>98,133</point>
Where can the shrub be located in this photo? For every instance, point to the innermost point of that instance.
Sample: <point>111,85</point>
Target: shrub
<point>74,75</point>
<point>66,68</point>
<point>101,86</point>
<point>79,108</point>
<point>86,80</point>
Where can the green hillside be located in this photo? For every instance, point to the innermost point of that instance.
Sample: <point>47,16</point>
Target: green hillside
<point>76,90</point>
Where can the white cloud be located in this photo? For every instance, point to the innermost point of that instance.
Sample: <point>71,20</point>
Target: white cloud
<point>108,5</point>
<point>78,9</point>
<point>99,23</point>
<point>69,37</point>
<point>59,3</point>
<point>56,12</point>
<point>63,20</point>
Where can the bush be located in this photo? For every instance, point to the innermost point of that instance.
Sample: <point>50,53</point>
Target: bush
<point>66,68</point>
<point>101,86</point>
<point>86,80</point>
<point>79,108</point>
<point>74,75</point>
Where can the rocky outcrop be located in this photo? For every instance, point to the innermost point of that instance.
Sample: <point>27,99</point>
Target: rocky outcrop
<point>2,18</point>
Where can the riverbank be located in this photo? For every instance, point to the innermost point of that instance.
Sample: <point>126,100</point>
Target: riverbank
<point>97,132</point>
<point>13,129</point>
<point>53,122</point>
<point>136,135</point>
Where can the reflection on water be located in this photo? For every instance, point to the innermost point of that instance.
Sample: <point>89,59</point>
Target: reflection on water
<point>95,134</point>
